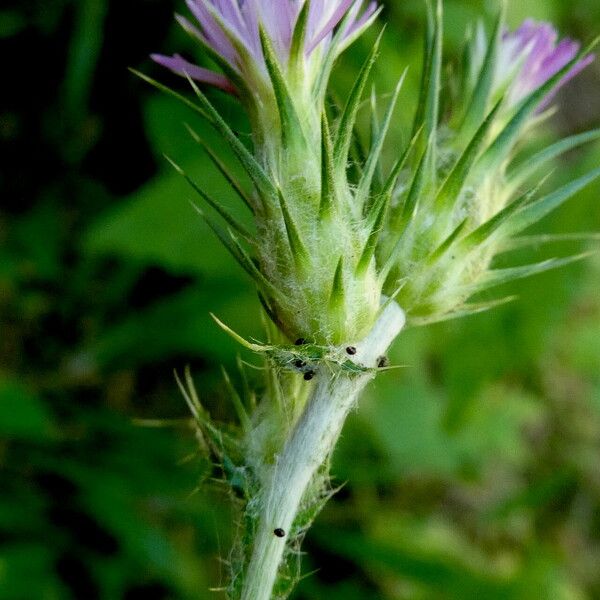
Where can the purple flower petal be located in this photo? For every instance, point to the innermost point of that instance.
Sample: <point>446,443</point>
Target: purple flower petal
<point>534,46</point>
<point>231,29</point>
<point>330,25</point>
<point>182,67</point>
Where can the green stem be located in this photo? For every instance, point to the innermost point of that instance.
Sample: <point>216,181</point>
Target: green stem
<point>310,444</point>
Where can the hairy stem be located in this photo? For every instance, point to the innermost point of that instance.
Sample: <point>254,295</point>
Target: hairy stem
<point>308,447</point>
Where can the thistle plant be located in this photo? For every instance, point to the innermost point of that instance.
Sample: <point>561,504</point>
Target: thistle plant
<point>343,254</point>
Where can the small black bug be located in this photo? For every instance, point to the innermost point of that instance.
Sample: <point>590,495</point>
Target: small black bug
<point>382,362</point>
<point>351,350</point>
<point>299,364</point>
<point>300,342</point>
<point>309,375</point>
<point>279,532</point>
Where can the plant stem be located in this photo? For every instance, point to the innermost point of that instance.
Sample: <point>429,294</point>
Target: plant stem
<point>310,444</point>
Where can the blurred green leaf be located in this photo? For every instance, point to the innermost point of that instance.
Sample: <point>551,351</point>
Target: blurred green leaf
<point>23,415</point>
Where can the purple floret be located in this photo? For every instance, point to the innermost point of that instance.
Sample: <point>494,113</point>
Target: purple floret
<point>535,45</point>
<point>225,24</point>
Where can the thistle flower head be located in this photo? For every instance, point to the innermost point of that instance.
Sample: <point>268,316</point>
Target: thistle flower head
<point>464,202</point>
<point>334,233</point>
<point>305,36</point>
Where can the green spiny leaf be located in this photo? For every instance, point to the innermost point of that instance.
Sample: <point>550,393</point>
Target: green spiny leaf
<point>238,405</point>
<point>167,90</point>
<point>375,153</point>
<point>428,108</point>
<point>392,180</point>
<point>232,244</point>
<point>486,231</point>
<point>338,294</point>
<point>328,186</point>
<point>239,339</point>
<point>532,213</point>
<point>455,182</point>
<point>348,119</point>
<point>298,249</point>
<point>297,47</point>
<point>441,250</point>
<point>291,128</point>
<point>483,88</point>
<point>233,182</point>
<point>225,214</point>
<point>527,241</point>
<point>497,277</point>
<point>375,132</point>
<point>375,220</point>
<point>250,164</point>
<point>409,208</point>
<point>528,167</point>
<point>466,310</point>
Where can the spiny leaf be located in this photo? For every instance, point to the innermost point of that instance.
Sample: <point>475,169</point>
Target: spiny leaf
<point>249,394</point>
<point>253,168</point>
<point>291,128</point>
<point>527,241</point>
<point>375,153</point>
<point>233,182</point>
<point>348,119</point>
<point>191,399</point>
<point>328,187</point>
<point>167,90</point>
<point>297,247</point>
<point>239,339</point>
<point>532,213</point>
<point>428,108</point>
<point>466,310</point>
<point>232,244</point>
<point>375,131</point>
<point>409,208</point>
<point>455,181</point>
<point>392,180</point>
<point>238,405</point>
<point>338,294</point>
<point>255,272</point>
<point>447,243</point>
<point>528,167</point>
<point>225,214</point>
<point>483,89</point>
<point>215,436</point>
<point>375,222</point>
<point>269,311</point>
<point>297,47</point>
<point>497,277</point>
<point>224,240</point>
<point>486,230</point>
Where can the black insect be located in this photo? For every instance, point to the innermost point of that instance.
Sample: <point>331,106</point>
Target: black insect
<point>383,361</point>
<point>351,350</point>
<point>279,532</point>
<point>309,375</point>
<point>299,364</point>
<point>300,342</point>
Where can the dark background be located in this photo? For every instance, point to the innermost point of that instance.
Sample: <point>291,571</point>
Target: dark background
<point>473,473</point>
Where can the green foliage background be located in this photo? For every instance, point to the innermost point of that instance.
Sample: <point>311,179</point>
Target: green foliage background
<point>473,473</point>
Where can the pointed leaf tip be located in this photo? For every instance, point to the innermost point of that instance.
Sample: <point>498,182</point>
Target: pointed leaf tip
<point>238,338</point>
